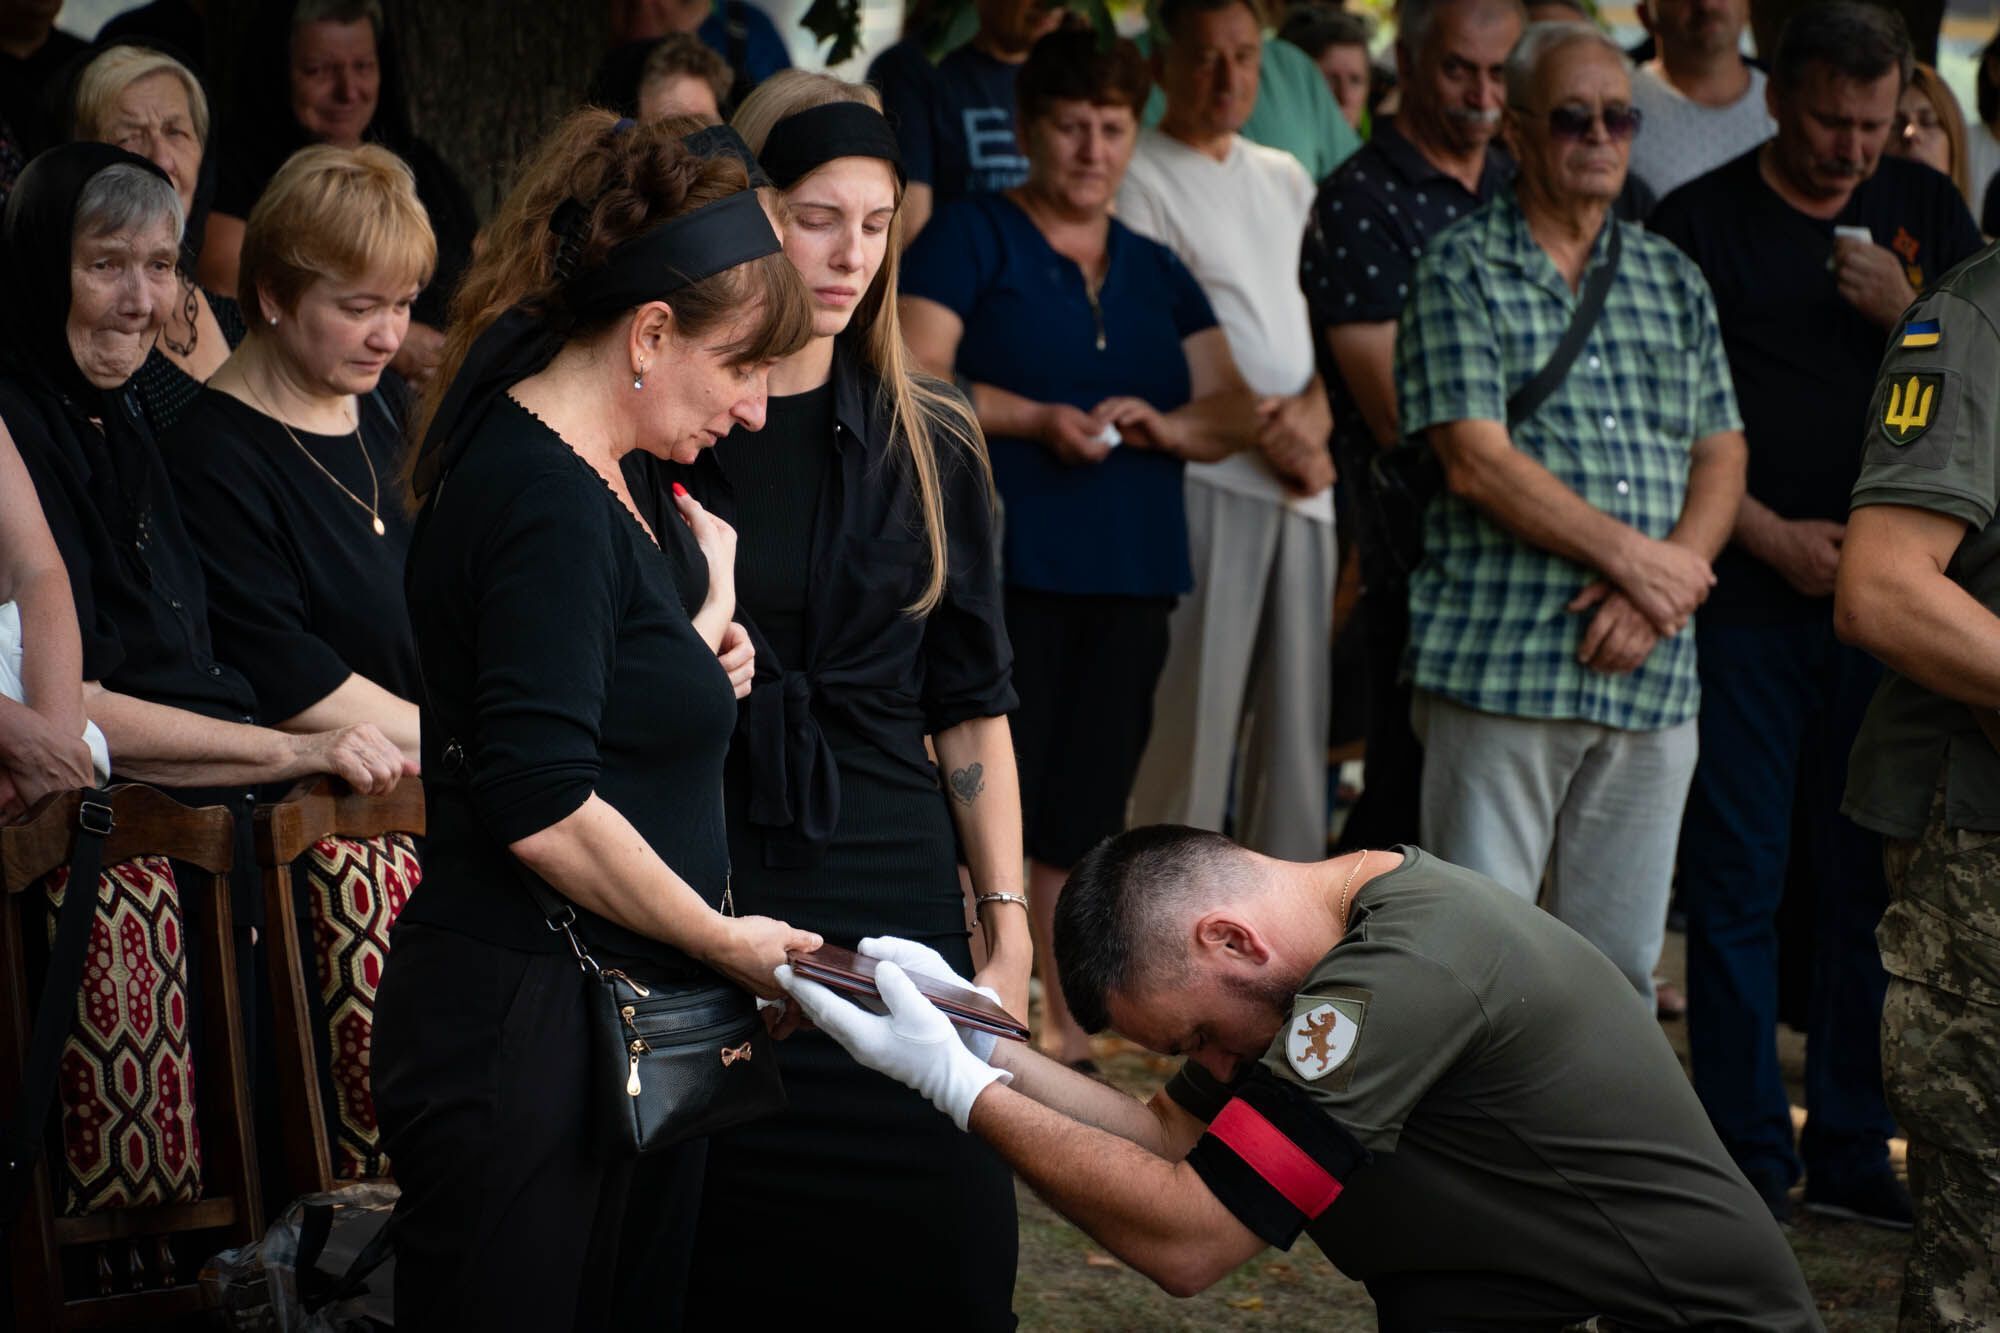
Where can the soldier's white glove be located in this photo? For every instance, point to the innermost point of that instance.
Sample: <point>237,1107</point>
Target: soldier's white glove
<point>913,1043</point>
<point>920,960</point>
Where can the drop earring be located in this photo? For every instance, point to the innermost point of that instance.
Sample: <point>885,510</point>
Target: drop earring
<point>639,380</point>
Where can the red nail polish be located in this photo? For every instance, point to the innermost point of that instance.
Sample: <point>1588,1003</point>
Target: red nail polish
<point>680,491</point>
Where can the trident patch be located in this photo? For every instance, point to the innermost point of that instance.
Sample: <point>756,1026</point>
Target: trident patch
<point>1908,410</point>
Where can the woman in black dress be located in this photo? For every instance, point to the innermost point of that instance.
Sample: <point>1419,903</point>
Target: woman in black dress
<point>289,463</point>
<point>631,296</point>
<point>869,581</point>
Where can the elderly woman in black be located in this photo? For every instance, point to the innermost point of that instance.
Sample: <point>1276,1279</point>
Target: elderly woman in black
<point>631,296</point>
<point>871,588</point>
<point>148,103</point>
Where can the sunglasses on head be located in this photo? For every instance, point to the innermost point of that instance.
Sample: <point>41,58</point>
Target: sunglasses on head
<point>1574,122</point>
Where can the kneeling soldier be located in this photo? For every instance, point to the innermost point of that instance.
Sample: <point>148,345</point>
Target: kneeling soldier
<point>1461,1100</point>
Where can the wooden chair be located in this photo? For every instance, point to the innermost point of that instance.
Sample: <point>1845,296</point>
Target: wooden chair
<point>147,823</point>
<point>316,809</point>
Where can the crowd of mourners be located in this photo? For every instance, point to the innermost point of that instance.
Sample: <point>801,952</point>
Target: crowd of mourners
<point>994,497</point>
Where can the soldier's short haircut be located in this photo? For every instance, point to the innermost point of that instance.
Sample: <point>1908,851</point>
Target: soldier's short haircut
<point>1856,39</point>
<point>1119,920</point>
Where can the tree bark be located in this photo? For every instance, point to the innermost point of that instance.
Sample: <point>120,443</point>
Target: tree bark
<point>486,82</point>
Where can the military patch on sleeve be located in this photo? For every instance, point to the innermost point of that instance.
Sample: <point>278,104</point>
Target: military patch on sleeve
<point>1910,406</point>
<point>1324,1032</point>
<point>1914,414</point>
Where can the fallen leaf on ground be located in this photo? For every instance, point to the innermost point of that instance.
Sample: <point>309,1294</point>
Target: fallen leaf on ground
<point>1096,1260</point>
<point>1247,1303</point>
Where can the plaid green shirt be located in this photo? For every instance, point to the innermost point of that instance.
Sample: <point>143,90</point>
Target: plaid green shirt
<point>1488,626</point>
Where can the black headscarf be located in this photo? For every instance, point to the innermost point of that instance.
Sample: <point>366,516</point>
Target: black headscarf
<point>40,225</point>
<point>39,228</point>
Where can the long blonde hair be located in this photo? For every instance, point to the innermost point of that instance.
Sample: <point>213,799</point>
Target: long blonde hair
<point>923,408</point>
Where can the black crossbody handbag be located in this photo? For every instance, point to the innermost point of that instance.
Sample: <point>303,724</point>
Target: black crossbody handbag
<point>671,1060</point>
<point>1406,477</point>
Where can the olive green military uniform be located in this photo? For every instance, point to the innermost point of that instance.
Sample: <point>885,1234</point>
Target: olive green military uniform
<point>1473,1113</point>
<point>1923,774</point>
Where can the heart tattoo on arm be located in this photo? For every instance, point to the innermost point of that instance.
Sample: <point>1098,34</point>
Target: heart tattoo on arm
<point>967,783</point>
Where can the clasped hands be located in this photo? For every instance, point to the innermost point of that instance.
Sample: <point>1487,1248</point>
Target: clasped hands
<point>1078,437</point>
<point>1651,590</point>
<point>913,1043</point>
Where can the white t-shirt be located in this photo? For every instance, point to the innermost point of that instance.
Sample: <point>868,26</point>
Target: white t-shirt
<point>1237,224</point>
<point>11,685</point>
<point>1682,139</point>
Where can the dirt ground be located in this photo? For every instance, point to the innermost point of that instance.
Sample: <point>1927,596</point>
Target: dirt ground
<point>1067,1283</point>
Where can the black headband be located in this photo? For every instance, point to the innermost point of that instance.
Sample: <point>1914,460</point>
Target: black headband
<point>803,143</point>
<point>733,230</point>
<point>721,141</point>
<point>713,238</point>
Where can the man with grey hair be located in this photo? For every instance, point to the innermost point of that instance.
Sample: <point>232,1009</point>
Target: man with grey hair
<point>1426,169</point>
<point>1549,647</point>
<point>1449,1091</point>
<point>1814,243</point>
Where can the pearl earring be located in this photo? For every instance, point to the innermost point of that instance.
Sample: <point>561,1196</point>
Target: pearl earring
<point>274,321</point>
<point>639,380</point>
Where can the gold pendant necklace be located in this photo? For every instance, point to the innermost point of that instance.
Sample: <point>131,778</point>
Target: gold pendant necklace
<point>374,481</point>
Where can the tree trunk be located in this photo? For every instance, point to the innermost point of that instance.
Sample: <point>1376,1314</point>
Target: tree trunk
<point>486,82</point>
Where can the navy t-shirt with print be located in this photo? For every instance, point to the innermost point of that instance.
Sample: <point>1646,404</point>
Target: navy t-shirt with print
<point>1113,528</point>
<point>1803,359</point>
<point>956,128</point>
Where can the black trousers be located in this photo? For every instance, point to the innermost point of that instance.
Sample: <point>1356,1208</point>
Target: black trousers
<point>514,1213</point>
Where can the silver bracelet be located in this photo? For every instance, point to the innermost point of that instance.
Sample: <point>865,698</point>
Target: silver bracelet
<point>981,899</point>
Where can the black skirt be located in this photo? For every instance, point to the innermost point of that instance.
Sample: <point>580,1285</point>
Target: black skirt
<point>514,1214</point>
<point>860,1192</point>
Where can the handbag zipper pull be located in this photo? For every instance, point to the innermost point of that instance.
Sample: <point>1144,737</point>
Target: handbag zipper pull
<point>636,988</point>
<point>634,1051</point>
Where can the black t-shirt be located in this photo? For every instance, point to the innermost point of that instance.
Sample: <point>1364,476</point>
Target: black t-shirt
<point>1803,359</point>
<point>956,128</point>
<point>559,661</point>
<point>302,592</point>
<point>778,473</point>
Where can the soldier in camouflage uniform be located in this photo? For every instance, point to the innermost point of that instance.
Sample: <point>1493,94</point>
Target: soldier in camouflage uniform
<point>1919,587</point>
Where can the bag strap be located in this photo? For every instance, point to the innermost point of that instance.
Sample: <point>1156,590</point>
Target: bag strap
<point>1525,401</point>
<point>55,1014</point>
<point>317,1291</point>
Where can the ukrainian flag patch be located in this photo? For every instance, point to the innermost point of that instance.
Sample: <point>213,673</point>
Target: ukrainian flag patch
<point>1920,333</point>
